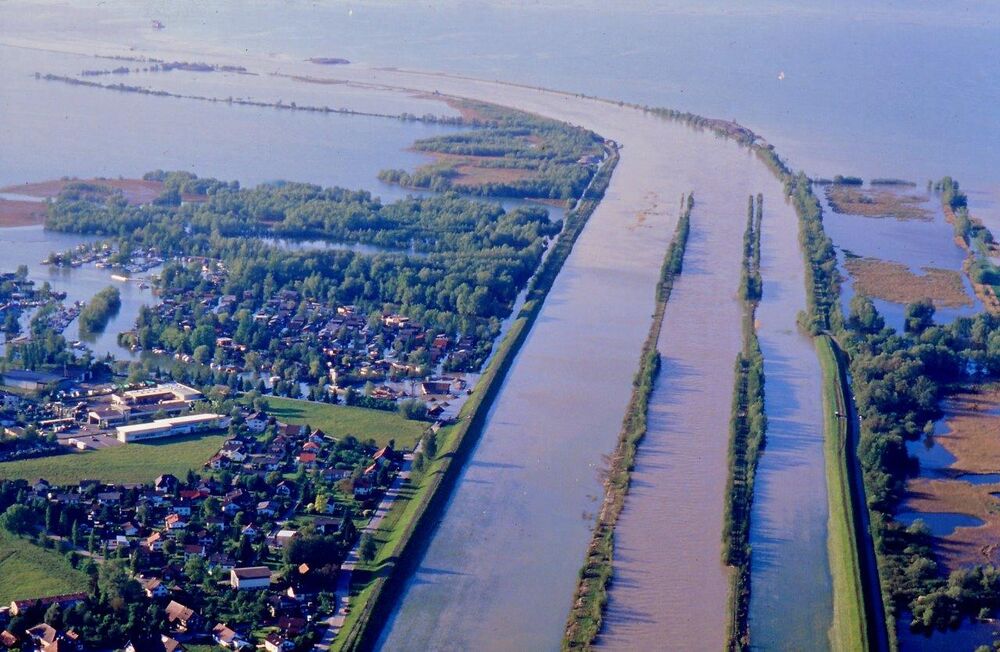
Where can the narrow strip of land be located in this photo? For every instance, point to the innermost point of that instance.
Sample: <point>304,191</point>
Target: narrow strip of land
<point>586,616</point>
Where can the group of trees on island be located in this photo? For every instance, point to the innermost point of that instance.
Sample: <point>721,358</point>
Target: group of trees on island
<point>546,151</point>
<point>102,306</point>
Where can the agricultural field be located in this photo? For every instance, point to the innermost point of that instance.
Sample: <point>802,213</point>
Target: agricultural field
<point>138,462</point>
<point>342,420</point>
<point>29,571</point>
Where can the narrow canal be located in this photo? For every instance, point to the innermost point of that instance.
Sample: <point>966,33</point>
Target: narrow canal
<point>791,604</point>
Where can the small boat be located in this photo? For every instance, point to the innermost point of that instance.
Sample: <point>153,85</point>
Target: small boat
<point>119,277</point>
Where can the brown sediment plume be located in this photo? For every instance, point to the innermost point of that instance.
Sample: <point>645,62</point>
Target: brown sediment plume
<point>882,279</point>
<point>880,202</point>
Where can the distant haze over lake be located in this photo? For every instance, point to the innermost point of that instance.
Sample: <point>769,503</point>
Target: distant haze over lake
<point>903,89</point>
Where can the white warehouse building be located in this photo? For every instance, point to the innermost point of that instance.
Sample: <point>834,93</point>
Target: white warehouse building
<point>172,427</point>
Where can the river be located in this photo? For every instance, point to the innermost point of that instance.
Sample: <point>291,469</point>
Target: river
<point>791,600</point>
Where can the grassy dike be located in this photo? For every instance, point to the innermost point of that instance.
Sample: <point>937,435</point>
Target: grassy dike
<point>747,429</point>
<point>858,618</point>
<point>586,615</point>
<point>849,630</point>
<point>401,553</point>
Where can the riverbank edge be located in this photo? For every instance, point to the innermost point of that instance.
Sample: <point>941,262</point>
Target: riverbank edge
<point>822,318</point>
<point>444,472</point>
<point>850,627</point>
<point>747,436</point>
<point>585,619</point>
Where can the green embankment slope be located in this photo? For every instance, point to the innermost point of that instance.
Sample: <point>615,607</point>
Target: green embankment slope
<point>849,630</point>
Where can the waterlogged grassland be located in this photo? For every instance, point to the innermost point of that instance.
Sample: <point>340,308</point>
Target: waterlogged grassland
<point>342,420</point>
<point>877,202</point>
<point>849,630</point>
<point>138,462</point>
<point>882,279</point>
<point>29,571</point>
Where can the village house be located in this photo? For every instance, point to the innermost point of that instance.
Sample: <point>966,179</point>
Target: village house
<point>251,577</point>
<point>182,618</point>
<point>256,422</point>
<point>153,587</point>
<point>169,645</point>
<point>64,601</point>
<point>50,639</point>
<point>175,522</point>
<point>227,637</point>
<point>277,643</point>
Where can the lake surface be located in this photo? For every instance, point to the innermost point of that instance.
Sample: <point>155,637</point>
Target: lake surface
<point>869,87</point>
<point>51,130</point>
<point>29,245</point>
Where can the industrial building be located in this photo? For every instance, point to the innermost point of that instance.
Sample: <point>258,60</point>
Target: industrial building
<point>172,427</point>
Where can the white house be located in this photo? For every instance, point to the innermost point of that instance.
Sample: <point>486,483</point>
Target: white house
<point>250,577</point>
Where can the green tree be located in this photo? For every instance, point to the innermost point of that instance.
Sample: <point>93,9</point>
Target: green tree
<point>367,547</point>
<point>18,519</point>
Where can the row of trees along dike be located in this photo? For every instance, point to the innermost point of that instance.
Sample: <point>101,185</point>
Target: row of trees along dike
<point>441,472</point>
<point>586,615</point>
<point>823,313</point>
<point>747,428</point>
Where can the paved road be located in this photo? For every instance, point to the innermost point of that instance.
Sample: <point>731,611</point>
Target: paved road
<point>335,621</point>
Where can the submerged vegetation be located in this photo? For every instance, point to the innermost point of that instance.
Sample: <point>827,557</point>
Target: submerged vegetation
<point>747,428</point>
<point>586,615</point>
<point>895,282</point>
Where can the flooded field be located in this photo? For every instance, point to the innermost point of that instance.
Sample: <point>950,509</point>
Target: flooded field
<point>955,492</point>
<point>897,252</point>
<point>955,495</point>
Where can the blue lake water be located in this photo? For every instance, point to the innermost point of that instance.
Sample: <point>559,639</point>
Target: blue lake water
<point>941,524</point>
